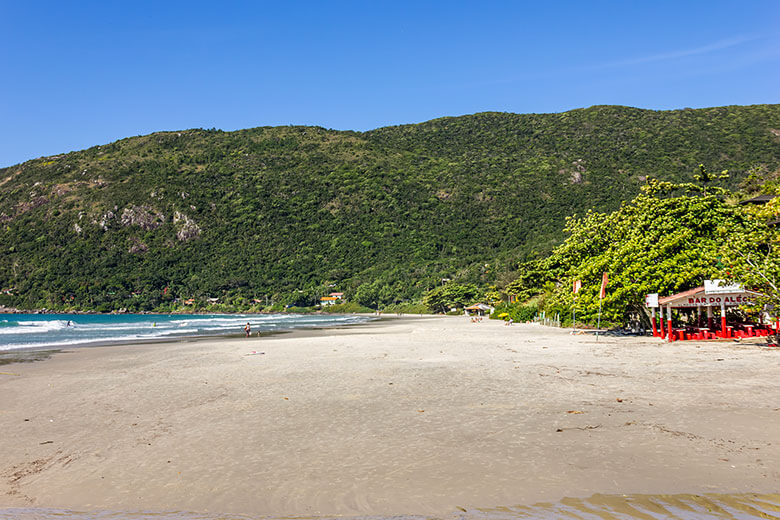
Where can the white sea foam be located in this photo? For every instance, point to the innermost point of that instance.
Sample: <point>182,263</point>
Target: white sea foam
<point>38,327</point>
<point>179,332</point>
<point>70,342</point>
<point>27,331</point>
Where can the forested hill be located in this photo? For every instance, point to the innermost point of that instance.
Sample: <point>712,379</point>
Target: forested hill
<point>290,212</point>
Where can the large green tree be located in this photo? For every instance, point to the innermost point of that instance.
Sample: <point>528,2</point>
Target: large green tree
<point>668,239</point>
<point>752,259</point>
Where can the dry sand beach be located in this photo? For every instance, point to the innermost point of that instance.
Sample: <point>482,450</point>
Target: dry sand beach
<point>408,416</point>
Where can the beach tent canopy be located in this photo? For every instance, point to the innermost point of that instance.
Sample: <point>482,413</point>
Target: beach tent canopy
<point>479,307</point>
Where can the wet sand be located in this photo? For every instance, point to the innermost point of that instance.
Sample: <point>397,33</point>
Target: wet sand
<point>416,416</point>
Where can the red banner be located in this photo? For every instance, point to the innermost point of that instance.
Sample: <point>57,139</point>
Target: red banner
<point>577,286</point>
<point>604,282</point>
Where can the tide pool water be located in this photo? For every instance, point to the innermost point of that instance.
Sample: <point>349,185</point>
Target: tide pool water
<point>31,331</point>
<point>597,507</point>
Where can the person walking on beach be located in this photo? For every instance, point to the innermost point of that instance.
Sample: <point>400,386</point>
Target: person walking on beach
<point>247,329</point>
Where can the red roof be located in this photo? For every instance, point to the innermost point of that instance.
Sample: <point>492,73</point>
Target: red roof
<point>684,294</point>
<point>700,297</point>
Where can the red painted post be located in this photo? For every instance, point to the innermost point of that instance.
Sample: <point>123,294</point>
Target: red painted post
<point>669,323</point>
<point>723,330</point>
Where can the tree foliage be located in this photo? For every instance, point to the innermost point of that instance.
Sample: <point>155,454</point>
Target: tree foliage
<point>753,259</point>
<point>668,239</point>
<point>451,295</point>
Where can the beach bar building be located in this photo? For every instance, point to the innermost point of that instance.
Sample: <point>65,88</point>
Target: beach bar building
<point>711,298</point>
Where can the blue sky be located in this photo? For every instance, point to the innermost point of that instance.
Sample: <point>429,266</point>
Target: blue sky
<point>77,74</point>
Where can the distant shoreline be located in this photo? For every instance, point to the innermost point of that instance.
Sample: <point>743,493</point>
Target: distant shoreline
<point>28,354</point>
<point>13,310</point>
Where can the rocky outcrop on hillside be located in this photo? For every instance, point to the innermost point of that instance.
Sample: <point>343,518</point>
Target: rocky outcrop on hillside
<point>145,217</point>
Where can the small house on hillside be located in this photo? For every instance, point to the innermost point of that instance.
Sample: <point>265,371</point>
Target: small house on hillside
<point>328,300</point>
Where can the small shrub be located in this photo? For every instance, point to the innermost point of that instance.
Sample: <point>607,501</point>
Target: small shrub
<point>519,312</point>
<point>407,308</point>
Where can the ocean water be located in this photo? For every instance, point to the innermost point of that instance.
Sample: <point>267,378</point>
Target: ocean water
<point>37,331</point>
<point>597,507</point>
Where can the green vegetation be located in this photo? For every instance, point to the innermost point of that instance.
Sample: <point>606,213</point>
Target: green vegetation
<point>753,259</point>
<point>668,239</point>
<point>517,312</point>
<point>451,296</point>
<point>656,243</point>
<point>407,308</point>
<point>270,217</point>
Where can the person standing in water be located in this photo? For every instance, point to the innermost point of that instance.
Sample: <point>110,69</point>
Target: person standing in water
<point>247,329</point>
